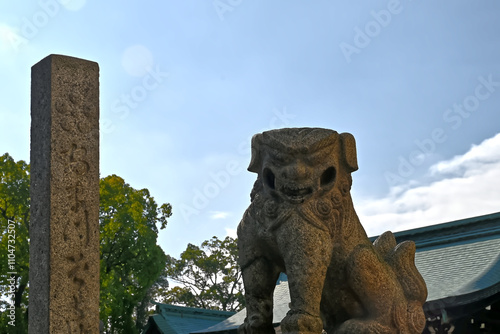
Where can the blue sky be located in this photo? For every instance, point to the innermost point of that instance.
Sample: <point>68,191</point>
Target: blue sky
<point>185,84</point>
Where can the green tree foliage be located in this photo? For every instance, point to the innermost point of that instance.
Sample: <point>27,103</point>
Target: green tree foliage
<point>153,293</point>
<point>209,276</point>
<point>132,264</point>
<point>131,261</point>
<point>14,209</point>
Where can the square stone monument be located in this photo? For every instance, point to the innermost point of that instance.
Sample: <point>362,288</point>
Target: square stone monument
<point>64,224</point>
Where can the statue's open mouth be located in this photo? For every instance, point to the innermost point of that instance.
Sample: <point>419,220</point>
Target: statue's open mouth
<point>296,193</point>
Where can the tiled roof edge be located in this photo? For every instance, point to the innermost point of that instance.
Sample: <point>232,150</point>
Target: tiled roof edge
<point>193,311</point>
<point>486,295</point>
<point>458,230</point>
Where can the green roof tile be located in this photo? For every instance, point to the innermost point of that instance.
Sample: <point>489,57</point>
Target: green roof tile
<point>172,319</point>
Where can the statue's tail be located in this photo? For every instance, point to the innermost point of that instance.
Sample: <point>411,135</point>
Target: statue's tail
<point>401,257</point>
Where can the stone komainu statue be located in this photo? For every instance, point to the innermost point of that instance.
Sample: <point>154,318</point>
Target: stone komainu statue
<point>302,222</point>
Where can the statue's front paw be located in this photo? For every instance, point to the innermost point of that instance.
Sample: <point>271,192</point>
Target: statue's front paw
<point>363,327</point>
<point>256,325</point>
<point>301,322</point>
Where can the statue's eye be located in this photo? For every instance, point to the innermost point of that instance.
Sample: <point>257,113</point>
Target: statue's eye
<point>328,176</point>
<point>269,178</point>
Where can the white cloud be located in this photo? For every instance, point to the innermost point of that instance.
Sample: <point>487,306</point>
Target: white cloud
<point>219,214</point>
<point>479,155</point>
<point>464,186</point>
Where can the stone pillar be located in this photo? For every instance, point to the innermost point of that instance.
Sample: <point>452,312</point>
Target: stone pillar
<point>64,224</point>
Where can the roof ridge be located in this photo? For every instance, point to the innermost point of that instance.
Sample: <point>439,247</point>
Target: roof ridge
<point>192,310</point>
<point>449,232</point>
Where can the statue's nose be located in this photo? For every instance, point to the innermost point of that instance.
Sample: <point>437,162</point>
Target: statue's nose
<point>295,171</point>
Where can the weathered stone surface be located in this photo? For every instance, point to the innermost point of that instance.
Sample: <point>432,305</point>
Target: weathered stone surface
<point>64,227</point>
<point>302,222</point>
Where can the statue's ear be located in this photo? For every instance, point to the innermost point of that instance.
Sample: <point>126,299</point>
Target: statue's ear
<point>256,160</point>
<point>349,149</point>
